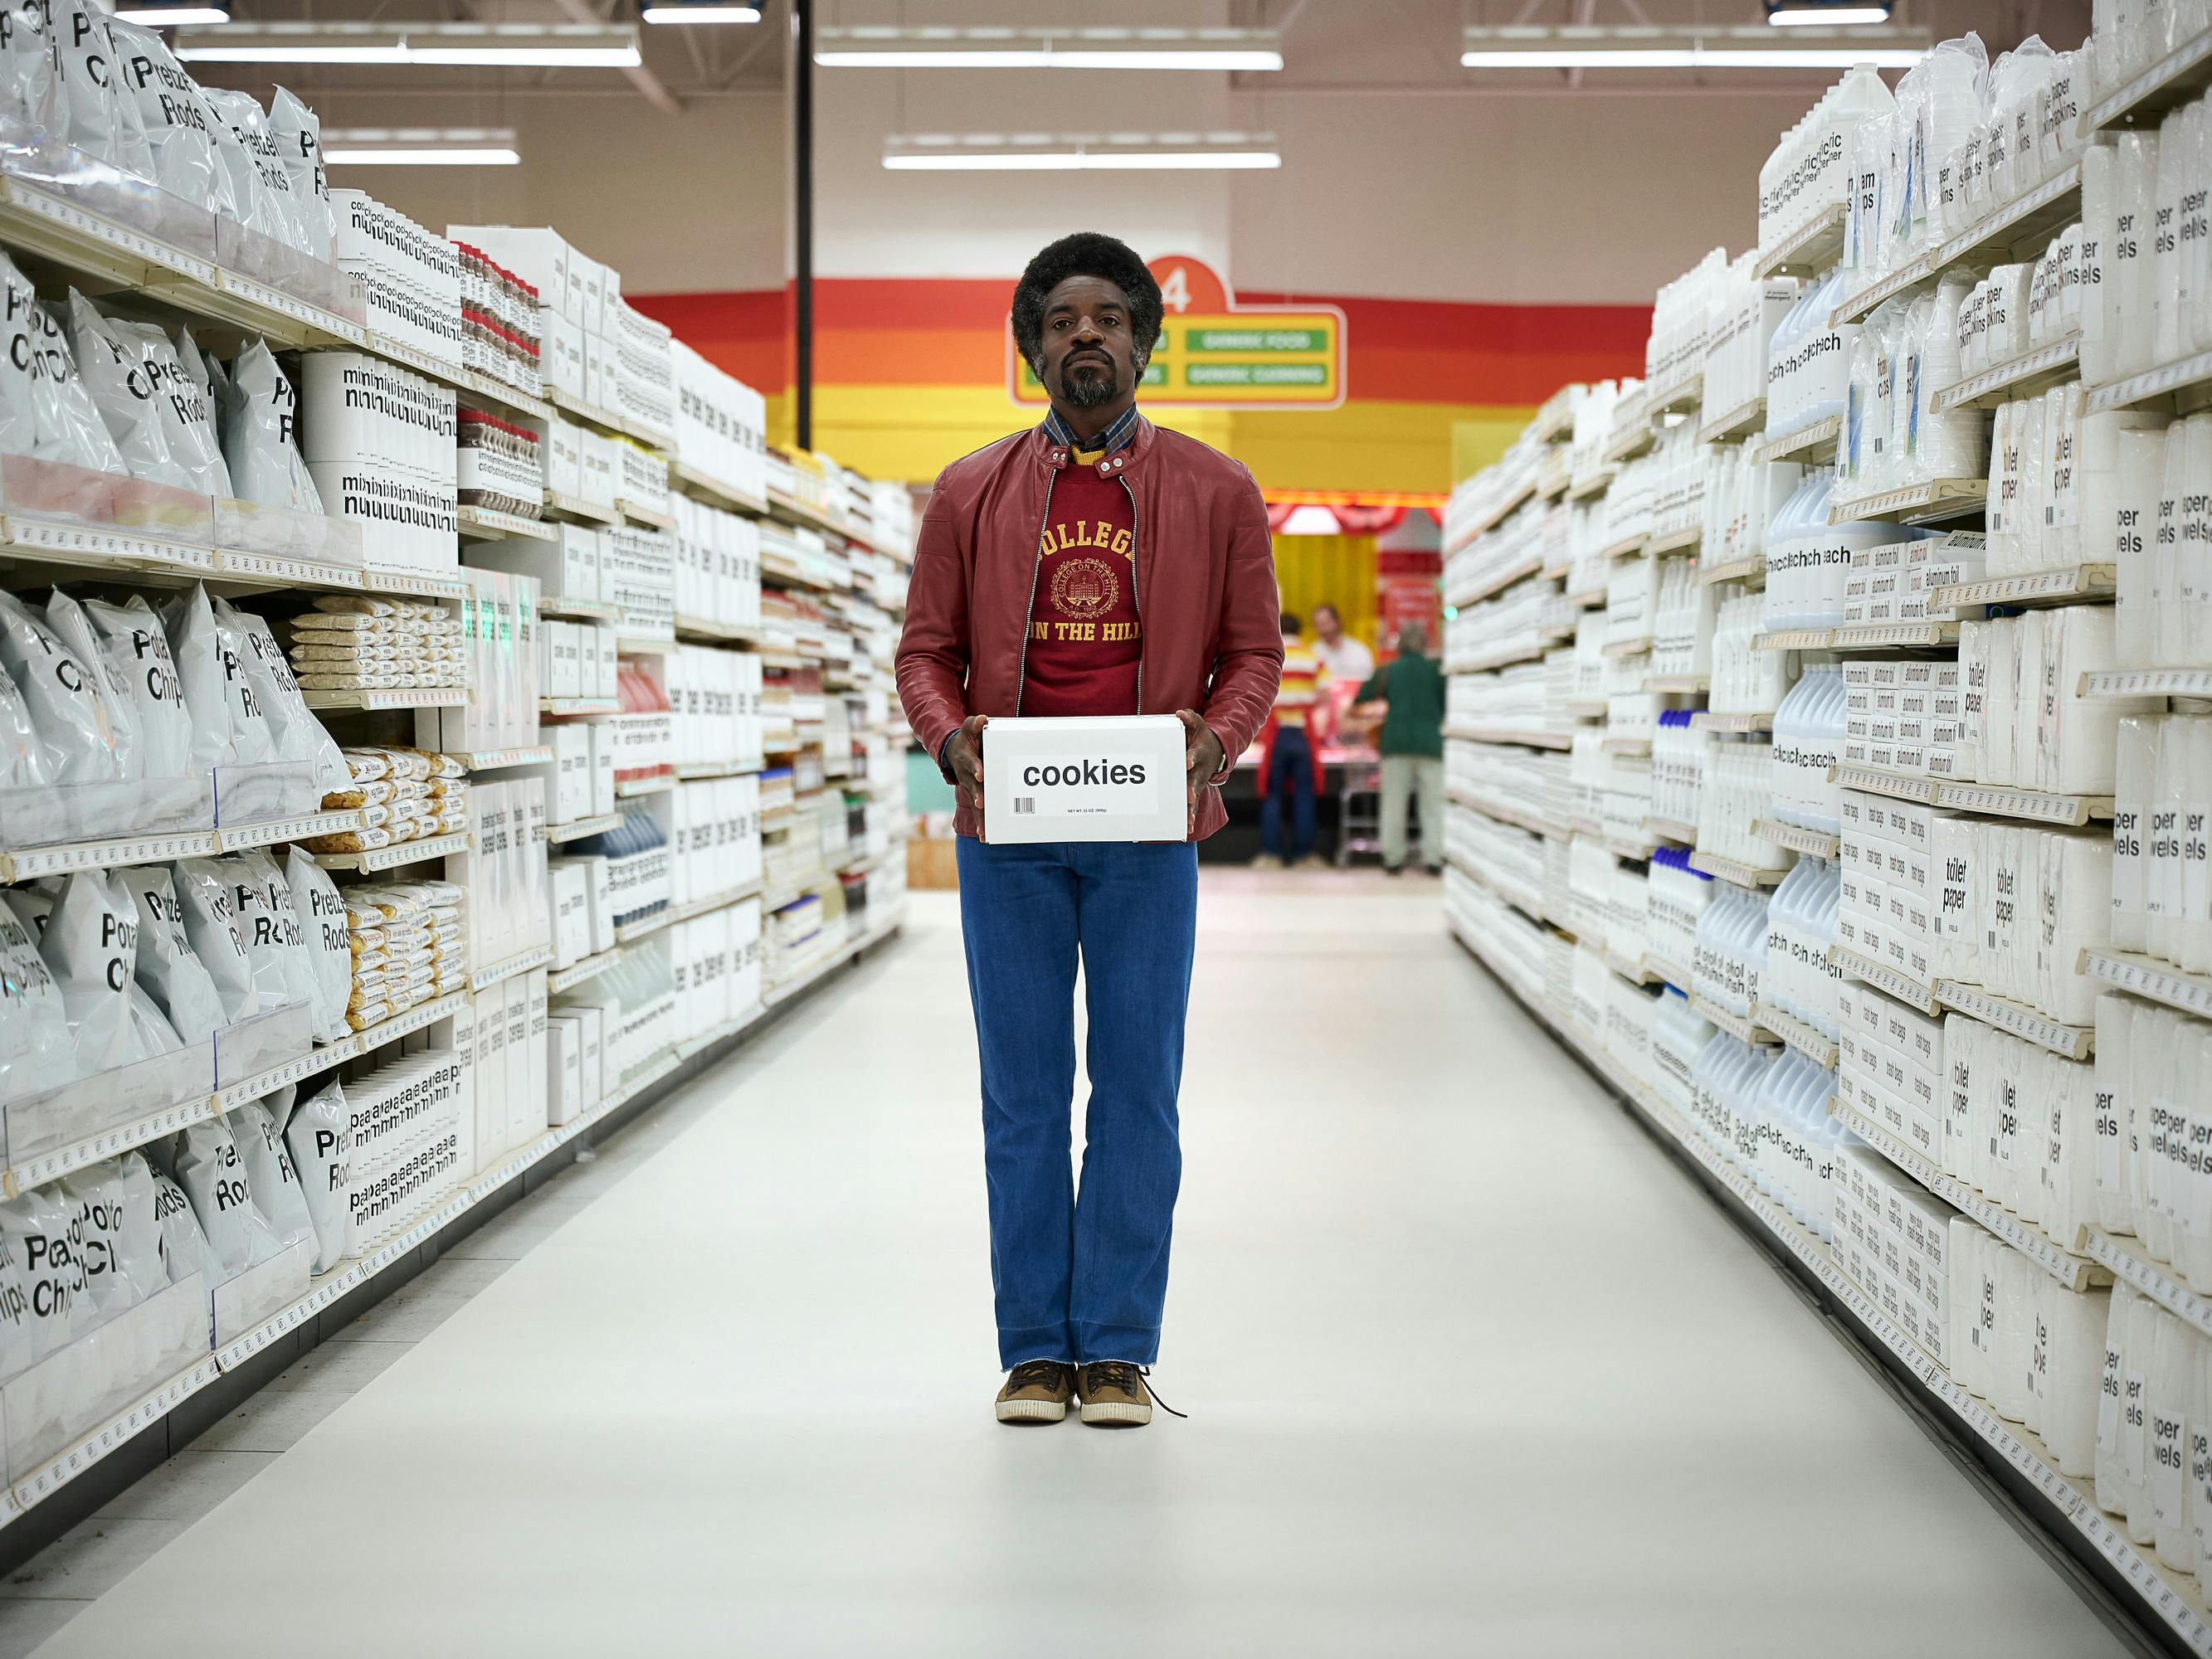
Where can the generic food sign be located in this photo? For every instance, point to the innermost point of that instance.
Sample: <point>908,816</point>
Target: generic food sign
<point>1216,353</point>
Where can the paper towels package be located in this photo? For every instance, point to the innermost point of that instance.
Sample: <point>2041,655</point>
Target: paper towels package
<point>1085,778</point>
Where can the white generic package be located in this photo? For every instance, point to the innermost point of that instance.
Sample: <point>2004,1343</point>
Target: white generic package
<point>1085,778</point>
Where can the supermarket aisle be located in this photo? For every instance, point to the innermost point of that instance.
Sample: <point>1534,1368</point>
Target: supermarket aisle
<point>1472,1368</point>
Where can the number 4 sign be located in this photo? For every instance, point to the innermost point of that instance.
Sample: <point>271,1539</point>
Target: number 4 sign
<point>1216,353</point>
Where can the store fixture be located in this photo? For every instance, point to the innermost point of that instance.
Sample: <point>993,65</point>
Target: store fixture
<point>381,839</point>
<point>1869,874</point>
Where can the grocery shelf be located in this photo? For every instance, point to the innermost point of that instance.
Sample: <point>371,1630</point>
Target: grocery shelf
<point>717,769</point>
<point>2036,805</point>
<point>1498,659</point>
<point>1639,849</point>
<point>1635,647</point>
<point>1886,980</point>
<point>1675,541</point>
<point>683,476</point>
<point>576,507</point>
<point>1498,583</point>
<point>1587,486</point>
<point>1744,420</point>
<point>1873,780</point>
<point>576,973</point>
<point>714,633</point>
<point>1811,842</point>
<point>1795,639</point>
<point>1632,436</point>
<point>1894,636</point>
<point>1909,275</point>
<point>630,931</point>
<point>644,513</point>
<point>2146,976</point>
<point>607,420</point>
<point>483,524</point>
<point>1685,835</point>
<point>1634,972</point>
<point>2072,585</point>
<point>2071,1041</point>
<point>629,788</point>
<point>1797,1034</point>
<point>483,979</point>
<point>1743,1030</point>
<point>1668,972</point>
<point>579,705</point>
<point>1681,685</point>
<point>1508,734</point>
<point>1734,570</point>
<point>1992,800</point>
<point>238,837</point>
<point>2184,386</point>
<point>2147,683</point>
<point>399,853</point>
<point>494,760</point>
<point>436,696</point>
<point>1532,823</point>
<point>421,584</point>
<point>2075,1272</point>
<point>2021,377</point>
<point>2021,227</point>
<point>1555,474</point>
<point>603,611</point>
<point>580,828</point>
<point>1588,600</point>
<point>1937,499</point>
<point>1680,395</point>
<point>1811,249</point>
<point>1705,719</point>
<point>2174,80</point>
<point>1814,444</point>
<point>1735,870</point>
<point>2129,1263</point>
<point>1625,745</point>
<point>1626,548</point>
<point>60,858</point>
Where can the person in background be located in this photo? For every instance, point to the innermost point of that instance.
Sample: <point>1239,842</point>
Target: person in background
<point>1412,743</point>
<point>1095,564</point>
<point>1290,758</point>
<point>1348,660</point>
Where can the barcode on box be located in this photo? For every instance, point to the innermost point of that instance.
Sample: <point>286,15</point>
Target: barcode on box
<point>1024,805</point>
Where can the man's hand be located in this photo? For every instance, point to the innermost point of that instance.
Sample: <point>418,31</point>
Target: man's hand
<point>1201,759</point>
<point>964,752</point>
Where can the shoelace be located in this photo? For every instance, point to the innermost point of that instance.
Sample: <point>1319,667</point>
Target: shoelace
<point>1122,1374</point>
<point>1037,1373</point>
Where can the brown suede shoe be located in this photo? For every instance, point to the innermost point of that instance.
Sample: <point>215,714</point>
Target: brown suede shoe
<point>1113,1394</point>
<point>1037,1391</point>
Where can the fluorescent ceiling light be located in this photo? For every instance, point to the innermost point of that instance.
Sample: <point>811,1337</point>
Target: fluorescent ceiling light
<point>546,46</point>
<point>1020,152</point>
<point>420,147</point>
<point>165,17</point>
<point>1818,14</point>
<point>1047,48</point>
<point>1642,47</point>
<point>699,11</point>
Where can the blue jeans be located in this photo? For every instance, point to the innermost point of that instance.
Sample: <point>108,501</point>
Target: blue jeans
<point>1080,1278</point>
<point>1290,768</point>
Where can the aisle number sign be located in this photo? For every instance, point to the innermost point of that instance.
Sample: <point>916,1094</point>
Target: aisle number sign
<point>1216,353</point>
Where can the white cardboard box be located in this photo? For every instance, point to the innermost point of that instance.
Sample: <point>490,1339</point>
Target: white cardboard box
<point>1085,778</point>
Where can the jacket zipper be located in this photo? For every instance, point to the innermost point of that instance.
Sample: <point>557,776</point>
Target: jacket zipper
<point>1029,616</point>
<point>1136,598</point>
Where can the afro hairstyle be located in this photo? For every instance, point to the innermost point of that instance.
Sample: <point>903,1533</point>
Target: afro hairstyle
<point>1087,253</point>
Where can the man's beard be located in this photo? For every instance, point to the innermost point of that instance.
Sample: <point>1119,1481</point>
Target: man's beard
<point>1089,389</point>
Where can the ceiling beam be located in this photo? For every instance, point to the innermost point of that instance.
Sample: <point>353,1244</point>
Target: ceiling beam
<point>643,79</point>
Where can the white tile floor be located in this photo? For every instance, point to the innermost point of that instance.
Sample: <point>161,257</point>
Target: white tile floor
<point>1472,1368</point>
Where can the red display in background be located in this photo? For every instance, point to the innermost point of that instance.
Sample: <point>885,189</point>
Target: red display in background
<point>1407,590</point>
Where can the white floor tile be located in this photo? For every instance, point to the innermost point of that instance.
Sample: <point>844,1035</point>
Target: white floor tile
<point>1471,1369</point>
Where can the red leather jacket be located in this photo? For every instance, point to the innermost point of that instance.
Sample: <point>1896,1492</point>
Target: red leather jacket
<point>1205,591</point>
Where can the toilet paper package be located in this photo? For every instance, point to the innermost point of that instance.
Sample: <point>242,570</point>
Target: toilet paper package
<point>1109,778</point>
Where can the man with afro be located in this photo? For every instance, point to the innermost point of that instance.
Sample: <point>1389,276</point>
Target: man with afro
<point>1095,564</point>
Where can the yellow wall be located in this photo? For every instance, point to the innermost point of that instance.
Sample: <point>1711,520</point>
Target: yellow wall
<point>1338,570</point>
